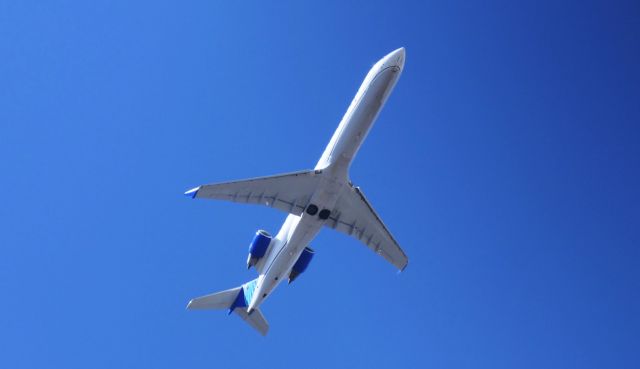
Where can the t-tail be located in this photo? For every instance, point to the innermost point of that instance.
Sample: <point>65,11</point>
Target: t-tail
<point>235,300</point>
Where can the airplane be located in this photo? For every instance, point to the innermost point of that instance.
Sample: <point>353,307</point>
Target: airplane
<point>324,196</point>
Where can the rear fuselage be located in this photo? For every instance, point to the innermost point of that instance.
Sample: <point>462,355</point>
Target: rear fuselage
<point>333,168</point>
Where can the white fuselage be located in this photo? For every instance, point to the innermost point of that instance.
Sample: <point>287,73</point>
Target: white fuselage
<point>333,168</point>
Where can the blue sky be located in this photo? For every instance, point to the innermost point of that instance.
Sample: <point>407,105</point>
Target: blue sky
<point>505,162</point>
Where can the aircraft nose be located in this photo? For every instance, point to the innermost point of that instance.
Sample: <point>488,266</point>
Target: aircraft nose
<point>398,57</point>
<point>395,58</point>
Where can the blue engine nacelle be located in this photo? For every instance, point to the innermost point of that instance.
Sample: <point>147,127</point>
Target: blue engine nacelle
<point>258,247</point>
<point>301,264</point>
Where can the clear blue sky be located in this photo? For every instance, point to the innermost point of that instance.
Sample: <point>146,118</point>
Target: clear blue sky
<point>506,162</point>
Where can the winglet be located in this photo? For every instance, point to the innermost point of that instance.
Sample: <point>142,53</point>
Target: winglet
<point>189,304</point>
<point>404,267</point>
<point>192,193</point>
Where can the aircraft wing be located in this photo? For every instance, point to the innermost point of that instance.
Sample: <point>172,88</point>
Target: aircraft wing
<point>288,192</point>
<point>354,216</point>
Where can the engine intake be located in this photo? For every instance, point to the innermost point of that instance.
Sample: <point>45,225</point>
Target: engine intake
<point>301,264</point>
<point>258,247</point>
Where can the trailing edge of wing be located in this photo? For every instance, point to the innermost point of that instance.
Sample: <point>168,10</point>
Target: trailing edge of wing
<point>289,192</point>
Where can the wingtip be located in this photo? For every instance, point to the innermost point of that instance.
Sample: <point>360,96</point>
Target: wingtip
<point>192,193</point>
<point>404,267</point>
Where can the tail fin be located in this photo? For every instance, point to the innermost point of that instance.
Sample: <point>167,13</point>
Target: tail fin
<point>236,300</point>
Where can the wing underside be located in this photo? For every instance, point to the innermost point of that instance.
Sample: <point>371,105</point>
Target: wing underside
<point>291,193</point>
<point>288,192</point>
<point>354,216</point>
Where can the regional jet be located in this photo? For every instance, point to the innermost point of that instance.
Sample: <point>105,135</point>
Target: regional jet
<point>322,197</point>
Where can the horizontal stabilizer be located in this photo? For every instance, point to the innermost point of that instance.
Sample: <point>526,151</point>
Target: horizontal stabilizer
<point>255,320</point>
<point>236,301</point>
<point>218,300</point>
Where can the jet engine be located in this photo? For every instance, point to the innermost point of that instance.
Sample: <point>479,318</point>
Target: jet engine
<point>258,247</point>
<point>301,264</point>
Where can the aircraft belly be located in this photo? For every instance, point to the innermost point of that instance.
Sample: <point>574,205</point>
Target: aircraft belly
<point>305,231</point>
<point>299,236</point>
<point>346,143</point>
